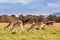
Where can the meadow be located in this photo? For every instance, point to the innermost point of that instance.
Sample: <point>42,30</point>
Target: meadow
<point>50,33</point>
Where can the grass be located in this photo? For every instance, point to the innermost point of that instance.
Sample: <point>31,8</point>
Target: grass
<point>50,33</point>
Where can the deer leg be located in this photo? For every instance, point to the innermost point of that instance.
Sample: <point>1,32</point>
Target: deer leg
<point>21,27</point>
<point>7,26</point>
<point>12,27</point>
<point>52,25</point>
<point>30,28</point>
<point>41,27</point>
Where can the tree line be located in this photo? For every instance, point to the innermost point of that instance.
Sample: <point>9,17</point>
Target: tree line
<point>32,18</point>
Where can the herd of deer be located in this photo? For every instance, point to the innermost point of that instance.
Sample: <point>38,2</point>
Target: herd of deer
<point>35,25</point>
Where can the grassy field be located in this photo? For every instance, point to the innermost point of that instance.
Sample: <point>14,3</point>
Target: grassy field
<point>50,33</point>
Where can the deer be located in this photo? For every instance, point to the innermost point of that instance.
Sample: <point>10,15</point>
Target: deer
<point>37,26</point>
<point>50,23</point>
<point>14,23</point>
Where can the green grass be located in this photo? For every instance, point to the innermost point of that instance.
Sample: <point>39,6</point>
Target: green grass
<point>50,33</point>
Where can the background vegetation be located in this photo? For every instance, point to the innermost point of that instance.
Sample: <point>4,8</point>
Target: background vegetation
<point>30,18</point>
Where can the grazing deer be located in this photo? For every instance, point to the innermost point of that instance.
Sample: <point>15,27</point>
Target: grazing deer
<point>37,25</point>
<point>14,23</point>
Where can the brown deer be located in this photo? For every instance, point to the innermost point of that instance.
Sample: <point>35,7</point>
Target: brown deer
<point>50,23</point>
<point>37,25</point>
<point>14,23</point>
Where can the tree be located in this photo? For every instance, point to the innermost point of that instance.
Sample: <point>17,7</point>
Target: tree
<point>52,17</point>
<point>58,19</point>
<point>41,18</point>
<point>21,17</point>
<point>14,16</point>
<point>3,18</point>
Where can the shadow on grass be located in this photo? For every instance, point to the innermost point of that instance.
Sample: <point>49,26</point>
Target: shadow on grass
<point>23,39</point>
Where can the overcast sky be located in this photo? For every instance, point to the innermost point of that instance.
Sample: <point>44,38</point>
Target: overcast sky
<point>29,6</point>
